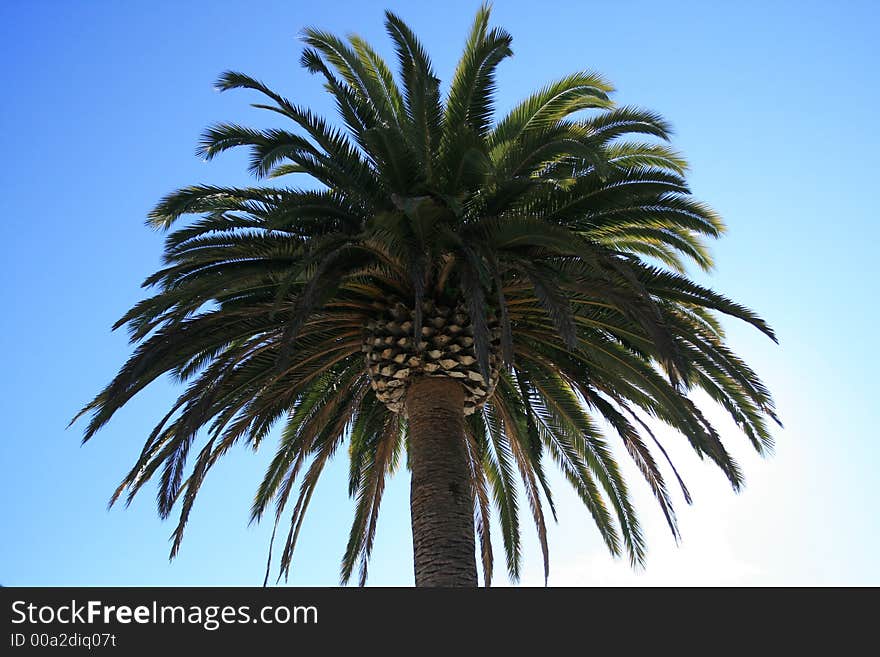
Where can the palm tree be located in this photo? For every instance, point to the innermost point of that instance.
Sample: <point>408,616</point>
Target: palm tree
<point>466,294</point>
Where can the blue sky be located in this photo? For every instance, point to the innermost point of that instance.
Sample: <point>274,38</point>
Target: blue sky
<point>773,103</point>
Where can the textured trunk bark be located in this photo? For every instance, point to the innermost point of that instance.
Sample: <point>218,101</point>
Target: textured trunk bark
<point>441,499</point>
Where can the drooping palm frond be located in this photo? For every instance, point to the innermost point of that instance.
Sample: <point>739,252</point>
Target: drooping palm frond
<point>540,259</point>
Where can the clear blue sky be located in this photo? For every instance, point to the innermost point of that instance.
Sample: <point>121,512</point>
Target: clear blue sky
<point>774,104</point>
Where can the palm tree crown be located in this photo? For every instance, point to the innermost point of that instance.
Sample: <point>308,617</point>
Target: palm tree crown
<point>538,259</point>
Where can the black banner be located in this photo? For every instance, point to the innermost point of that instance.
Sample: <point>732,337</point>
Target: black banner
<point>130,621</point>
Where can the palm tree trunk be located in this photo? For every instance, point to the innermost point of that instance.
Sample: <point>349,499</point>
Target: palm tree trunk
<point>441,499</point>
